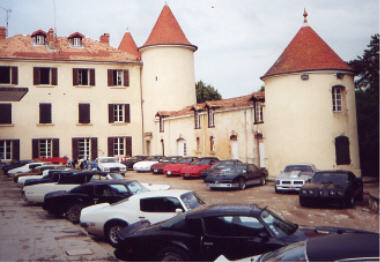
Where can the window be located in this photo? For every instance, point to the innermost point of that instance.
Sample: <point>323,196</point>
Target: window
<point>5,113</point>
<point>119,113</point>
<point>259,112</point>
<point>10,149</point>
<point>198,142</point>
<point>342,150</point>
<point>85,148</point>
<point>39,38</point>
<point>84,113</point>
<point>45,148</point>
<point>197,122</point>
<point>337,98</point>
<point>120,146</point>
<point>210,114</point>
<point>212,144</point>
<point>233,226</point>
<point>160,204</point>
<point>161,124</point>
<point>77,41</point>
<point>118,77</point>
<point>45,114</point>
<point>45,76</point>
<point>83,76</point>
<point>8,75</point>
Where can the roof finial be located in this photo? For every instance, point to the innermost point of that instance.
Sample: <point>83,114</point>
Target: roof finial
<point>305,16</point>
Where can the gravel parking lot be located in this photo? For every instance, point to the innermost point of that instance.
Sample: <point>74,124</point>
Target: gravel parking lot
<point>28,233</point>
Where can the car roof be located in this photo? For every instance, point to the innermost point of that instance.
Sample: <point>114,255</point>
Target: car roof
<point>225,210</point>
<point>161,193</point>
<point>114,181</point>
<point>339,246</point>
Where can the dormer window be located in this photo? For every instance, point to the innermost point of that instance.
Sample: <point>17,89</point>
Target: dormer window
<point>258,112</point>
<point>39,38</point>
<point>161,124</point>
<point>76,40</point>
<point>210,114</point>
<point>197,122</point>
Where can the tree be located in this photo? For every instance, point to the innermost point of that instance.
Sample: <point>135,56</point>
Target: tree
<point>206,92</point>
<point>366,70</point>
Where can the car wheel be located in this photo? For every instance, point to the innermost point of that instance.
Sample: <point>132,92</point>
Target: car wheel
<point>242,184</point>
<point>112,232</point>
<point>263,181</point>
<point>276,190</point>
<point>303,202</point>
<point>73,213</point>
<point>173,254</point>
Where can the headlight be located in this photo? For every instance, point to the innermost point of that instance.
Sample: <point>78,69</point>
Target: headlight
<point>332,193</point>
<point>304,191</point>
<point>311,191</point>
<point>340,193</point>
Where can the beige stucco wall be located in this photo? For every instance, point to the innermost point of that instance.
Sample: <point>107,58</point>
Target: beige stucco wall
<point>65,99</point>
<point>237,121</point>
<point>300,126</point>
<point>168,80</point>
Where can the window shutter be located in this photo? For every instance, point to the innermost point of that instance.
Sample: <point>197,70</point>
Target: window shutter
<point>92,77</point>
<point>75,148</point>
<point>110,146</point>
<point>36,76</point>
<point>110,77</point>
<point>342,150</point>
<point>5,113</point>
<point>126,78</point>
<point>128,145</point>
<point>84,113</point>
<point>34,148</point>
<point>110,113</point>
<point>14,75</point>
<point>16,149</point>
<point>94,148</point>
<point>54,76</point>
<point>127,118</point>
<point>75,77</point>
<point>55,147</point>
<point>45,113</point>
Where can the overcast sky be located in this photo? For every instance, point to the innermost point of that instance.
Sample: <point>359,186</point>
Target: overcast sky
<point>238,41</point>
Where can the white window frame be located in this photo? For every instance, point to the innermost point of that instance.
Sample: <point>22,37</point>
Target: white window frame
<point>6,149</point>
<point>77,41</point>
<point>84,148</point>
<point>118,113</point>
<point>81,76</point>
<point>197,120</point>
<point>212,144</point>
<point>119,77</point>
<point>45,148</point>
<point>259,111</point>
<point>40,40</point>
<point>337,98</point>
<point>119,146</point>
<point>210,113</point>
<point>162,124</point>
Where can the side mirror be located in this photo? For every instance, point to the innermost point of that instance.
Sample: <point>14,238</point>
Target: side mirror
<point>178,210</point>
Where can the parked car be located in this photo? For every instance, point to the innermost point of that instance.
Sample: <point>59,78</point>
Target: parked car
<point>12,165</point>
<point>332,187</point>
<point>49,177</point>
<point>234,230</point>
<point>130,161</point>
<point>145,165</point>
<point>175,168</point>
<point>236,176</point>
<point>194,169</point>
<point>36,193</point>
<point>110,164</point>
<point>25,168</point>
<point>363,246</point>
<point>220,164</point>
<point>107,220</point>
<point>37,172</point>
<point>293,177</point>
<point>71,202</point>
<point>158,168</point>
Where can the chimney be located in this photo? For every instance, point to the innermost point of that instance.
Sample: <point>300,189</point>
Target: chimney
<point>105,38</point>
<point>3,32</point>
<point>51,38</point>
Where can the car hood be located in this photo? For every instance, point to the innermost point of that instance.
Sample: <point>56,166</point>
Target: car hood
<point>56,194</point>
<point>299,175</point>
<point>134,228</point>
<point>312,185</point>
<point>110,165</point>
<point>175,166</point>
<point>156,187</point>
<point>195,168</point>
<point>215,176</point>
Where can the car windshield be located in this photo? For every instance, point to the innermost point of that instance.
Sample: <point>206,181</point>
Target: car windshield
<point>136,187</point>
<point>108,160</point>
<point>225,169</point>
<point>302,168</point>
<point>280,227</point>
<point>191,200</point>
<point>119,188</point>
<point>185,161</point>
<point>293,252</point>
<point>202,162</point>
<point>330,178</point>
<point>115,176</point>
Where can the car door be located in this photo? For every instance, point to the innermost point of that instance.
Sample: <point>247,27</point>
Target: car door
<point>157,209</point>
<point>111,193</point>
<point>254,174</point>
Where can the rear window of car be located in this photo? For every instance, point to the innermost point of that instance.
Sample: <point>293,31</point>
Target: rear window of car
<point>192,200</point>
<point>135,187</point>
<point>160,204</point>
<point>185,161</point>
<point>298,168</point>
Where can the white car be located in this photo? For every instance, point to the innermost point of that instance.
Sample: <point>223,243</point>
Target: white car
<point>293,177</point>
<point>146,164</point>
<point>25,168</point>
<point>106,220</point>
<point>110,164</point>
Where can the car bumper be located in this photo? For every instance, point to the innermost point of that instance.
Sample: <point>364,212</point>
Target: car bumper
<point>222,185</point>
<point>190,175</point>
<point>173,173</point>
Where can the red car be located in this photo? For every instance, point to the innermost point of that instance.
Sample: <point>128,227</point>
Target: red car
<point>159,167</point>
<point>175,169</point>
<point>194,169</point>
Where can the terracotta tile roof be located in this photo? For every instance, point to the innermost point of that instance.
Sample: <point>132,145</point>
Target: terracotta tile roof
<point>20,46</point>
<point>167,31</point>
<point>217,104</point>
<point>307,51</point>
<point>127,44</point>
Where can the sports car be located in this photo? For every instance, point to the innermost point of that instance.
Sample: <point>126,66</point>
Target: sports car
<point>175,169</point>
<point>194,169</point>
<point>145,165</point>
<point>158,168</point>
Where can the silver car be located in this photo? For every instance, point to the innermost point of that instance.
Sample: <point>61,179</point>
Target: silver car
<point>293,177</point>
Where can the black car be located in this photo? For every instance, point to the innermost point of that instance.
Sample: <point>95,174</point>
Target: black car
<point>220,164</point>
<point>129,162</point>
<point>236,176</point>
<point>7,167</point>
<point>71,202</point>
<point>234,230</point>
<point>52,176</point>
<point>332,187</point>
<point>363,246</point>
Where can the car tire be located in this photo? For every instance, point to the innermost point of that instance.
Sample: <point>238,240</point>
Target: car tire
<point>73,213</point>
<point>263,181</point>
<point>303,202</point>
<point>276,190</point>
<point>173,254</point>
<point>112,231</point>
<point>242,184</point>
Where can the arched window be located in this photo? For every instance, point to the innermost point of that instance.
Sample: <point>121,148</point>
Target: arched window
<point>342,150</point>
<point>337,98</point>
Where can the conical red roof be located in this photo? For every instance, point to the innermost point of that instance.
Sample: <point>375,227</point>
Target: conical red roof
<point>128,45</point>
<point>307,51</point>
<point>167,31</point>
